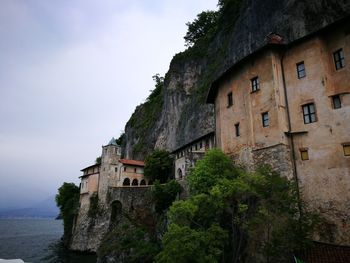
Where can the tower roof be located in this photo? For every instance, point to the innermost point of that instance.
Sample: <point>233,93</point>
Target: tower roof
<point>113,141</point>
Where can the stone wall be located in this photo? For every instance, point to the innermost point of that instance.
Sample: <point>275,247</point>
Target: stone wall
<point>88,232</point>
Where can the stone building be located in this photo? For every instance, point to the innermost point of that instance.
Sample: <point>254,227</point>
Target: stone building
<point>289,105</point>
<point>89,183</point>
<point>187,155</point>
<point>112,172</point>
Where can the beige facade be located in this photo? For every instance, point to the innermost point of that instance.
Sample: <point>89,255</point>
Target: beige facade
<point>289,106</point>
<point>112,172</point>
<point>187,155</point>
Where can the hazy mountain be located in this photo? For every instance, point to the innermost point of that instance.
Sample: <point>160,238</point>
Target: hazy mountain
<point>44,209</point>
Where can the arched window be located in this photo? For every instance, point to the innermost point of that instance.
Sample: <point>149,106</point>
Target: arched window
<point>135,182</point>
<point>179,173</point>
<point>126,182</point>
<point>143,182</point>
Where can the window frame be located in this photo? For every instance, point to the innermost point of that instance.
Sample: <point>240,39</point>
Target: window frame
<point>265,122</point>
<point>229,99</point>
<point>304,154</point>
<point>301,73</point>
<point>339,59</point>
<point>309,114</point>
<point>237,129</point>
<point>255,84</point>
<point>346,148</point>
<point>336,106</point>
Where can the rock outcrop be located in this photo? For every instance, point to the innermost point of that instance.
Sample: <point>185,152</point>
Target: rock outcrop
<point>243,27</point>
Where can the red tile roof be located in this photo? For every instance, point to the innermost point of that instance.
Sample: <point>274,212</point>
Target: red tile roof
<point>132,162</point>
<point>326,253</point>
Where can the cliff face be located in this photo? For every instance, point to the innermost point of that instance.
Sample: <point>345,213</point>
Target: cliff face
<point>180,114</point>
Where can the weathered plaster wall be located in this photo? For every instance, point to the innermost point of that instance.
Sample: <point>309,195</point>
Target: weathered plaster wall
<point>325,177</point>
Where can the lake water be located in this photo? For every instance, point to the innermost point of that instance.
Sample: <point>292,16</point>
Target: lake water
<point>36,241</point>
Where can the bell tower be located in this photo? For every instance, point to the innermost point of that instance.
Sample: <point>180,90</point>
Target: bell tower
<point>111,154</point>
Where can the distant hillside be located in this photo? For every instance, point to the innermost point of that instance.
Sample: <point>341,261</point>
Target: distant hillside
<point>45,209</point>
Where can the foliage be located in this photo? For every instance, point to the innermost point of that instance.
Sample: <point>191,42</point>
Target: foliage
<point>145,116</point>
<point>184,244</point>
<point>94,208</point>
<point>159,166</point>
<point>131,243</point>
<point>213,167</point>
<point>203,25</point>
<point>257,213</point>
<point>67,200</point>
<point>164,195</point>
<point>98,160</point>
<point>121,139</point>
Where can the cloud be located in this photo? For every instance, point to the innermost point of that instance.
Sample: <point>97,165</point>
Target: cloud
<point>72,73</point>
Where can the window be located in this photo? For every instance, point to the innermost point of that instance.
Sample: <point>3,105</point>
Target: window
<point>255,84</point>
<point>265,119</point>
<point>346,149</point>
<point>338,57</point>
<point>237,130</point>
<point>229,99</point>
<point>301,70</point>
<point>134,170</point>
<point>124,169</point>
<point>309,113</point>
<point>116,169</point>
<point>304,154</point>
<point>336,102</point>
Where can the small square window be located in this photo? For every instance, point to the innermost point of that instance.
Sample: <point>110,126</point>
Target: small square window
<point>301,70</point>
<point>265,119</point>
<point>255,84</point>
<point>304,154</point>
<point>346,149</point>
<point>336,102</point>
<point>339,60</point>
<point>237,130</point>
<point>309,113</point>
<point>229,99</point>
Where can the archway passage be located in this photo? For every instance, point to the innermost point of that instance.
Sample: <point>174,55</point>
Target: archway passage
<point>143,182</point>
<point>179,173</point>
<point>135,182</point>
<point>116,214</point>
<point>126,182</point>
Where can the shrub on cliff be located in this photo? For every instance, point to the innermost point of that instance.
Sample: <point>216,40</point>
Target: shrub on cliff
<point>159,166</point>
<point>67,200</point>
<point>244,215</point>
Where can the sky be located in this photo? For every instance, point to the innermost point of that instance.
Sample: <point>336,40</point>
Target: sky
<point>71,74</point>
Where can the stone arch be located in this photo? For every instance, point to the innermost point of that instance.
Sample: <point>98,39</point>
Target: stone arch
<point>179,173</point>
<point>126,182</point>
<point>116,211</point>
<point>143,182</point>
<point>135,182</point>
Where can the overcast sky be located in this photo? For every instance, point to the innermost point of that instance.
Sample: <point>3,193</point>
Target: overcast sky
<point>71,74</point>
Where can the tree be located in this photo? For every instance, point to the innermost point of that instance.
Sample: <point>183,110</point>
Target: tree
<point>67,200</point>
<point>159,166</point>
<point>98,160</point>
<point>164,195</point>
<point>214,166</point>
<point>239,210</point>
<point>203,25</point>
